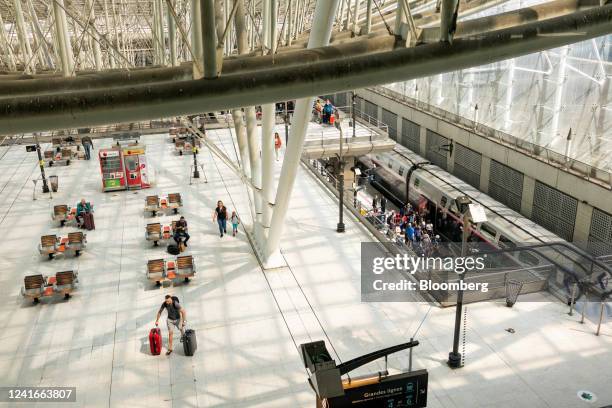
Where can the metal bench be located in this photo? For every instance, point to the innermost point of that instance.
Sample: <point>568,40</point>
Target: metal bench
<point>154,233</point>
<point>63,214</point>
<point>76,242</point>
<point>65,283</point>
<point>156,270</point>
<point>33,287</point>
<point>174,202</point>
<point>185,267</point>
<point>49,245</point>
<point>152,204</point>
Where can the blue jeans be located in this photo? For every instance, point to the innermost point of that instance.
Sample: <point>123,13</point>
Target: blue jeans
<point>222,225</point>
<point>87,148</point>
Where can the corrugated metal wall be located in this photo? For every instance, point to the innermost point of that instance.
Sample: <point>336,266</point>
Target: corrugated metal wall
<point>467,164</point>
<point>554,210</point>
<point>506,185</point>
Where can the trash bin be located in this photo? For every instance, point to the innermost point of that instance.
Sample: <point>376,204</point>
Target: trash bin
<point>53,181</point>
<point>513,289</point>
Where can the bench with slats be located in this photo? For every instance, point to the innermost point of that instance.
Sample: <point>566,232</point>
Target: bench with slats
<point>33,287</point>
<point>48,244</point>
<point>185,267</point>
<point>156,270</point>
<point>76,242</point>
<point>174,202</point>
<point>154,232</point>
<point>152,204</point>
<point>65,283</point>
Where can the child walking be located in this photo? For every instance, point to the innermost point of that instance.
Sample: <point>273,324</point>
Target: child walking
<point>235,221</point>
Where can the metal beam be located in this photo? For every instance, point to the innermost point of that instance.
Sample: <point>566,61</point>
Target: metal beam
<point>131,103</point>
<point>209,38</point>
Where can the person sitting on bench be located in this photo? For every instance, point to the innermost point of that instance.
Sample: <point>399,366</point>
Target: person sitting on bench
<point>82,208</point>
<point>181,231</point>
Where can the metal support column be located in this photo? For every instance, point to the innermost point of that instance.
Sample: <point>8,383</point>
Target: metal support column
<point>196,39</point>
<point>368,25</point>
<point>172,36</point>
<point>61,29</point>
<point>209,38</point>
<point>95,40</point>
<point>22,36</point>
<point>319,36</point>
<point>448,20</point>
<point>7,50</point>
<point>560,86</point>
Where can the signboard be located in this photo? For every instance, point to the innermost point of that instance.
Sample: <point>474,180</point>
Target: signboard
<point>30,148</point>
<point>394,391</point>
<point>110,183</point>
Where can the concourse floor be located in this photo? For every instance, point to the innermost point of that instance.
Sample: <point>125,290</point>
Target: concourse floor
<point>249,322</point>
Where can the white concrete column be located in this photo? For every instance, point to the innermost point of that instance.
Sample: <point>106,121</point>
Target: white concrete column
<point>319,37</point>
<point>7,47</point>
<point>61,29</point>
<point>196,39</point>
<point>267,153</point>
<point>368,25</point>
<point>22,36</point>
<point>254,149</point>
<point>95,40</point>
<point>172,36</point>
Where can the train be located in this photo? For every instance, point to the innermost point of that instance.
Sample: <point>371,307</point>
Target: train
<point>405,177</point>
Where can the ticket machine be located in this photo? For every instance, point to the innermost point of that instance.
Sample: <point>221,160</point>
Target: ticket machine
<point>136,169</point>
<point>111,166</point>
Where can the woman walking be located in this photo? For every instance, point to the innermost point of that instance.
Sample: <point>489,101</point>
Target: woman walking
<point>220,215</point>
<point>277,144</point>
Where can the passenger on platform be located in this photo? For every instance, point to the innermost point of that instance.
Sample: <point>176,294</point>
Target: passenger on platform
<point>83,207</point>
<point>375,202</point>
<point>181,231</point>
<point>328,109</point>
<point>235,221</point>
<point>383,203</point>
<point>409,234</point>
<point>220,215</point>
<point>87,146</point>
<point>277,144</point>
<point>176,317</point>
<point>317,111</point>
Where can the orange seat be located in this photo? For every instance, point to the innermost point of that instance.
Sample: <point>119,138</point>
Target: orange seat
<point>51,280</point>
<point>171,275</point>
<point>48,291</point>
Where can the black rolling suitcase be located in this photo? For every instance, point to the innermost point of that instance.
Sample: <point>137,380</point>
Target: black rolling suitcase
<point>190,343</point>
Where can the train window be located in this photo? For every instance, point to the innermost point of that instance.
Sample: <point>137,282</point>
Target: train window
<point>505,242</point>
<point>443,200</point>
<point>417,181</point>
<point>390,164</point>
<point>401,170</point>
<point>488,229</point>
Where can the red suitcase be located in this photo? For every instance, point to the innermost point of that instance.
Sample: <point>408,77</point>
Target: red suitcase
<point>155,341</point>
<point>88,221</point>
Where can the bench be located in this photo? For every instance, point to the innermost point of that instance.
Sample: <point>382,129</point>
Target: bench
<point>48,245</point>
<point>185,267</point>
<point>33,287</point>
<point>156,270</point>
<point>152,204</point>
<point>154,233</point>
<point>76,242</point>
<point>175,201</point>
<point>65,283</point>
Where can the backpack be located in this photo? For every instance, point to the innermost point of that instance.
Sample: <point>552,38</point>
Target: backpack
<point>175,299</point>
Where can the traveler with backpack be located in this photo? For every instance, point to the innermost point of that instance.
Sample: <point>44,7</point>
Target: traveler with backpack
<point>180,231</point>
<point>176,317</point>
<point>220,215</point>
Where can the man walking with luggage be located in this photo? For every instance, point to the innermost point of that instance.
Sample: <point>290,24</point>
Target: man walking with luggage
<point>176,318</point>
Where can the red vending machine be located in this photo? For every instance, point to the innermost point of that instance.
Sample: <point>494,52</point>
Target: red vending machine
<point>135,163</point>
<point>111,165</point>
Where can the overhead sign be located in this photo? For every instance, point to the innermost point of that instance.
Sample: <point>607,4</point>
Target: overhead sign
<point>30,148</point>
<point>477,213</point>
<point>407,390</point>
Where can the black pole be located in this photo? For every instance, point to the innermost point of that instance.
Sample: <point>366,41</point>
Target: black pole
<point>196,173</point>
<point>340,227</point>
<point>286,123</point>
<point>41,163</point>
<point>454,357</point>
<point>354,113</point>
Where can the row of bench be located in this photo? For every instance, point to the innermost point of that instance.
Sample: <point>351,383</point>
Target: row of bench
<point>52,245</point>
<point>157,232</point>
<point>38,286</point>
<point>155,204</point>
<point>160,270</point>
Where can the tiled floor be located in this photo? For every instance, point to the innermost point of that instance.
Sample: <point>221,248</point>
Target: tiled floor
<point>247,357</point>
